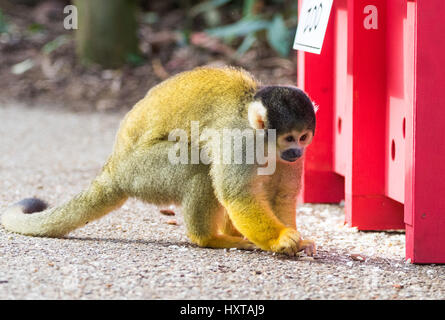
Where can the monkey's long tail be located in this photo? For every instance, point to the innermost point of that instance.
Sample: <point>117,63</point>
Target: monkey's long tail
<point>26,217</point>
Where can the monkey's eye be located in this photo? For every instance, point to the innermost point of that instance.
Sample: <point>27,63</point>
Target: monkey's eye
<point>290,139</point>
<point>303,137</point>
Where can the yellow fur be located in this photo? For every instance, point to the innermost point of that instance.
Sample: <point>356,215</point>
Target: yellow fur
<point>261,208</point>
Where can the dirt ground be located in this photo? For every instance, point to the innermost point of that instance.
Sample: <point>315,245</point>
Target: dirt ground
<point>134,253</point>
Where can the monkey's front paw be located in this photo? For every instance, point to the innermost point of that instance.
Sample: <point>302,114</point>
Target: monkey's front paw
<point>308,246</point>
<point>288,242</point>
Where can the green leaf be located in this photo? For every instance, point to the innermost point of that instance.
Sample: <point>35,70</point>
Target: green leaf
<point>240,28</point>
<point>3,24</point>
<point>278,36</point>
<point>36,28</point>
<point>135,59</point>
<point>54,44</point>
<point>248,8</point>
<point>248,41</point>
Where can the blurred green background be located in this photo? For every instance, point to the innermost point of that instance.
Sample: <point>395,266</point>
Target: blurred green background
<point>123,47</point>
<point>108,28</point>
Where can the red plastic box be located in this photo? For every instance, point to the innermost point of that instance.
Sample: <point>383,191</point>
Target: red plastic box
<point>380,137</point>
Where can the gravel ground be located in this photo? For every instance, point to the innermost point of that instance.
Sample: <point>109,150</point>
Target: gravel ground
<point>133,253</point>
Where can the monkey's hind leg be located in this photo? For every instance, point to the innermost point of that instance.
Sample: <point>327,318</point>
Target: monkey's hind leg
<point>228,227</point>
<point>204,217</point>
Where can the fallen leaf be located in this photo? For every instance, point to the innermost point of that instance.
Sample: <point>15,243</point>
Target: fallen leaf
<point>22,67</point>
<point>167,212</point>
<point>358,257</point>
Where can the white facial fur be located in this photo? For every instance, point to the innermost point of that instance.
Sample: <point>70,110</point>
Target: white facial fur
<point>257,114</point>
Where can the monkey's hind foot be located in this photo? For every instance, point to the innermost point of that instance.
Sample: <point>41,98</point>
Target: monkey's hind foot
<point>224,241</point>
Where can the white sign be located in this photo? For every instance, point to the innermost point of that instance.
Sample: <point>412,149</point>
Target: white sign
<point>312,25</point>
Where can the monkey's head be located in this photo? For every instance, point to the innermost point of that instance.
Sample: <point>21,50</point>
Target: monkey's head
<point>290,112</point>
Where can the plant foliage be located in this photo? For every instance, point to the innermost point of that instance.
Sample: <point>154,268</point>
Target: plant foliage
<point>251,27</point>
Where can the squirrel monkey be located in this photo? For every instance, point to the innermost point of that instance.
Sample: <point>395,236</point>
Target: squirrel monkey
<point>224,205</point>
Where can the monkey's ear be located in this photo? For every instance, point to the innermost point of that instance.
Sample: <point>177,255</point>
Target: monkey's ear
<point>257,115</point>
